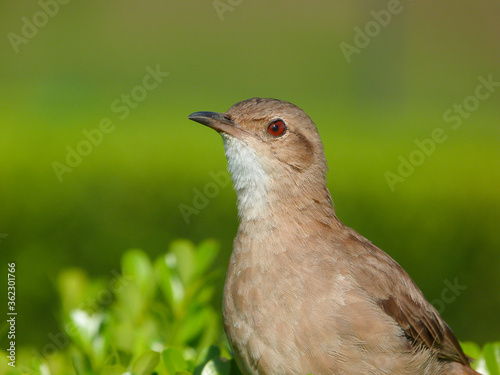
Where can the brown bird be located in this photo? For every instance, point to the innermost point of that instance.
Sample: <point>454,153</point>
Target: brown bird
<point>305,294</point>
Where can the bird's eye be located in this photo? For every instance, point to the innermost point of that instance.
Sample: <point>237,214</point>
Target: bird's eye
<point>276,128</point>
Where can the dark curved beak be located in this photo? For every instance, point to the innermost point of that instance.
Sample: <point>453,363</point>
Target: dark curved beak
<point>213,120</point>
<point>219,122</point>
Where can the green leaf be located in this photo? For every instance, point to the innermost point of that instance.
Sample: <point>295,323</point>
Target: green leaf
<point>491,353</point>
<point>113,370</point>
<point>131,301</point>
<point>136,265</point>
<point>212,329</point>
<point>146,363</point>
<point>169,281</point>
<point>174,360</point>
<point>216,366</point>
<point>184,251</point>
<point>73,285</point>
<point>205,255</point>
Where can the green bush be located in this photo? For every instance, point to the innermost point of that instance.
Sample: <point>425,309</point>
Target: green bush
<point>153,317</point>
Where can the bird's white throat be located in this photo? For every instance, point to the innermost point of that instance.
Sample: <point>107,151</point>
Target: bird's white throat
<point>249,178</point>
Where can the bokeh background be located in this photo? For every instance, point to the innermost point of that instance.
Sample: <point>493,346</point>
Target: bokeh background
<point>441,223</point>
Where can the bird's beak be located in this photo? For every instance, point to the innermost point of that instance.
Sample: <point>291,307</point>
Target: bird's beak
<point>219,122</point>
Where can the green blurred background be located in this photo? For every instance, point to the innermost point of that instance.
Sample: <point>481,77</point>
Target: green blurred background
<point>440,224</point>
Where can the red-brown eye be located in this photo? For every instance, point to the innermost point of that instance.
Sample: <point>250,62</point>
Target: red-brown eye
<point>276,128</point>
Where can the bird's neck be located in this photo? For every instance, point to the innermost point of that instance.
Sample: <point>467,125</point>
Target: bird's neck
<point>294,207</point>
<point>292,198</point>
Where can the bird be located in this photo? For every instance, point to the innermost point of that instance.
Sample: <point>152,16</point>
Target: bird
<point>304,293</point>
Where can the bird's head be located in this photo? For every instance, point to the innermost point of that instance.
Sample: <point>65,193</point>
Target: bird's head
<point>273,150</point>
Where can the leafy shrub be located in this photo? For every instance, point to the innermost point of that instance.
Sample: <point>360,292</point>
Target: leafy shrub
<point>152,317</point>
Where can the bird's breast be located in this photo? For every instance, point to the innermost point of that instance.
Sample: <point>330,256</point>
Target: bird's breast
<point>274,309</point>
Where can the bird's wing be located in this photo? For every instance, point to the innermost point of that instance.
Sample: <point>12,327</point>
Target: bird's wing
<point>423,326</point>
<point>398,295</point>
